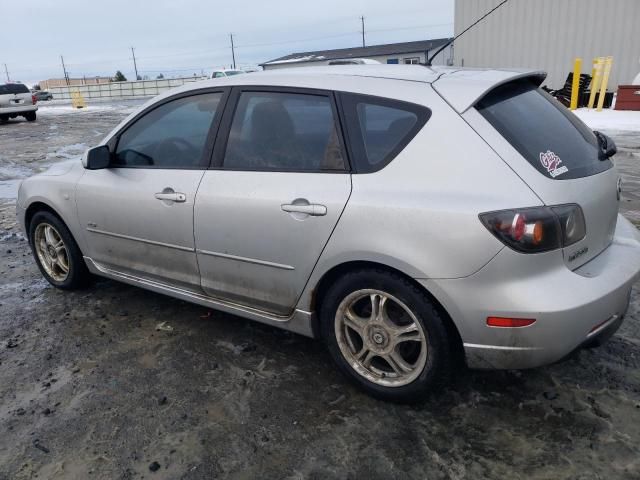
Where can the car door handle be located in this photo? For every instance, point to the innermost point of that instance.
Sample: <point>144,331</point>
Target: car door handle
<point>171,196</point>
<point>315,210</point>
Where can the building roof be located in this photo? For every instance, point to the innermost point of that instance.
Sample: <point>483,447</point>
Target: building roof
<point>361,52</point>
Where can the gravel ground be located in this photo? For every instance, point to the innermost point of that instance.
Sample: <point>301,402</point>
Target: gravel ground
<point>115,382</point>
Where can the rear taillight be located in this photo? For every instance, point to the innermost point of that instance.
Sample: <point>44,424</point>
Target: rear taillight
<point>538,229</point>
<point>33,99</point>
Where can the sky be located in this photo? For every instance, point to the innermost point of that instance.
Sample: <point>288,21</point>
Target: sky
<point>183,37</point>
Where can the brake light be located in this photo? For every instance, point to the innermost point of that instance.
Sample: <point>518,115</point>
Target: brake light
<point>538,229</point>
<point>33,99</point>
<point>510,322</point>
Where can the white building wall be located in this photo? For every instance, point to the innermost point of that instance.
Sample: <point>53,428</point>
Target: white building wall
<point>549,34</point>
<point>441,59</point>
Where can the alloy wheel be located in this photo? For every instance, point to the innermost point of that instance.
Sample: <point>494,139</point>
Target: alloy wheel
<point>52,252</point>
<point>381,338</point>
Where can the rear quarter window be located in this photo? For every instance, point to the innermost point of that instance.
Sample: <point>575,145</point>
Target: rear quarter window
<point>379,128</point>
<point>16,88</point>
<point>553,140</point>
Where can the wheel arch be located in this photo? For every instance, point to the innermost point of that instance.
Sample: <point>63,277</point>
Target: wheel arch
<point>36,207</point>
<point>337,271</point>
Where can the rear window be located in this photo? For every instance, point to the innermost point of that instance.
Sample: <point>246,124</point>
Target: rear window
<point>379,128</point>
<point>10,88</point>
<point>553,140</point>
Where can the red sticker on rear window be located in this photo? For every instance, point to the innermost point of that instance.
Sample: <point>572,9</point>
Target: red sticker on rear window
<point>551,162</point>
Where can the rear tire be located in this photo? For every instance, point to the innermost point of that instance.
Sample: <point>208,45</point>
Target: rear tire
<point>57,253</point>
<point>31,116</point>
<point>400,353</point>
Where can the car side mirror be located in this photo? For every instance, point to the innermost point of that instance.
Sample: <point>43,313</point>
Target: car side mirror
<point>98,158</point>
<point>607,146</point>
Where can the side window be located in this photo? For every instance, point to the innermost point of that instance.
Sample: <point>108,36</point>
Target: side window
<point>283,131</point>
<point>218,75</point>
<point>172,135</point>
<point>380,128</point>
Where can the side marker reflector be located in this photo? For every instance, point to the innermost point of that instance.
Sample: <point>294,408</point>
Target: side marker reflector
<point>509,322</point>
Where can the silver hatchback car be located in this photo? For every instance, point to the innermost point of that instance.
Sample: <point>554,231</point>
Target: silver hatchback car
<point>406,215</point>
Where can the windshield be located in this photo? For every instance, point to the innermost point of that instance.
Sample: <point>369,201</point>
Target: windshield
<point>553,140</point>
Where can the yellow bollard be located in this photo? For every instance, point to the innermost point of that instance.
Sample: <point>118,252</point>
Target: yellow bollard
<point>596,75</point>
<point>77,100</point>
<point>605,80</point>
<point>577,70</point>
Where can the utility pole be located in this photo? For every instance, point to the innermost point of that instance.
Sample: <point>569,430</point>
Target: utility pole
<point>64,69</point>
<point>135,66</point>
<point>233,52</point>
<point>362,20</point>
<point>6,71</point>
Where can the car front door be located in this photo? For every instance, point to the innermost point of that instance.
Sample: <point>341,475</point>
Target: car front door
<point>138,213</point>
<point>266,210</point>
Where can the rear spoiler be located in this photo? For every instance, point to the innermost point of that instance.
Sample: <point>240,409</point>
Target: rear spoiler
<point>462,89</point>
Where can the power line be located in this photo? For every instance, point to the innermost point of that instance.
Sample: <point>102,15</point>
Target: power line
<point>416,27</point>
<point>212,53</point>
<point>302,40</point>
<point>428,63</point>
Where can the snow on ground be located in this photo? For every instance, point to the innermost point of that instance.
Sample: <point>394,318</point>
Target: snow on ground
<point>123,106</point>
<point>607,119</point>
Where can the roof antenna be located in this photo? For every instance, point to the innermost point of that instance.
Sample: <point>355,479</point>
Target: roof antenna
<point>428,63</point>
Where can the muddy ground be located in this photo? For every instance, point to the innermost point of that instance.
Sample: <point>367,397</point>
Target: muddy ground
<point>114,382</point>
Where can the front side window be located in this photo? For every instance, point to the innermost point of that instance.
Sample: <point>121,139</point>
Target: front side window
<point>172,135</point>
<point>284,131</point>
<point>553,140</point>
<point>380,128</point>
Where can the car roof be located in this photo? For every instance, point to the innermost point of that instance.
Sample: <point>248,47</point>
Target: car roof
<point>460,87</point>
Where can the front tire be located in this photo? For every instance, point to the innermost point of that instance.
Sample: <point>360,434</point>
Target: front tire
<point>385,334</point>
<point>56,252</point>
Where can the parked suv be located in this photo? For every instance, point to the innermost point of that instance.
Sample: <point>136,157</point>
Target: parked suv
<point>406,215</point>
<point>16,100</point>
<point>43,95</point>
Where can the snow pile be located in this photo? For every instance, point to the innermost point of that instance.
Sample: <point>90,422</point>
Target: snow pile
<point>607,119</point>
<point>52,110</point>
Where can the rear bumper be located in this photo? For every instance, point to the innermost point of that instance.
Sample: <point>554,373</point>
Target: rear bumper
<point>572,308</point>
<point>18,110</point>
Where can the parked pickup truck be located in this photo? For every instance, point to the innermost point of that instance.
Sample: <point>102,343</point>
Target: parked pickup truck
<point>16,100</point>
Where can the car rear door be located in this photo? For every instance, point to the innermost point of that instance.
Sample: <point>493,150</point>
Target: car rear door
<point>556,155</point>
<point>138,213</point>
<point>266,210</point>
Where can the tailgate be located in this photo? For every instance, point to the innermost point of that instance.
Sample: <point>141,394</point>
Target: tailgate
<point>14,95</point>
<point>556,155</point>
